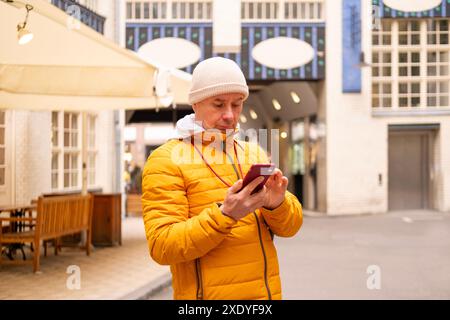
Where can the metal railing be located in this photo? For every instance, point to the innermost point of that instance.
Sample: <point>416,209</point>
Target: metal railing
<point>86,15</point>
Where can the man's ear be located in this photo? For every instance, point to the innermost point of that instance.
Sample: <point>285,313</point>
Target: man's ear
<point>194,107</point>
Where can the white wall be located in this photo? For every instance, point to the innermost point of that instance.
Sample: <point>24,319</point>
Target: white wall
<point>105,144</point>
<point>32,155</point>
<point>357,142</point>
<point>107,8</point>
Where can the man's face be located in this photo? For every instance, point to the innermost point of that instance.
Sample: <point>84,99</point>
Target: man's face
<point>220,112</point>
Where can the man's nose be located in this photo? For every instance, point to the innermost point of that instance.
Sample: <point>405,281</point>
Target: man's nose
<point>228,113</point>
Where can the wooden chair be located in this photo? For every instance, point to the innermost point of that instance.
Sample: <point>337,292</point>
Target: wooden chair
<point>56,217</point>
<point>133,204</point>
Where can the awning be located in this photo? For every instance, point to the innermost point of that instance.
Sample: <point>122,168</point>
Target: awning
<point>66,68</point>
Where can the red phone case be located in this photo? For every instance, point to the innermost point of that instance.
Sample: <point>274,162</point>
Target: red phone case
<point>256,170</point>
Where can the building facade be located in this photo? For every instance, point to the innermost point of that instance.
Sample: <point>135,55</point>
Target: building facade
<point>358,89</point>
<point>40,151</point>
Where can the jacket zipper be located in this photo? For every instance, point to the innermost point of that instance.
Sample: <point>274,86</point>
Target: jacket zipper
<point>264,255</point>
<point>199,280</point>
<point>260,237</point>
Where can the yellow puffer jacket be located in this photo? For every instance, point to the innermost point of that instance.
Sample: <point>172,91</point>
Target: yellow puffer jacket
<point>211,256</point>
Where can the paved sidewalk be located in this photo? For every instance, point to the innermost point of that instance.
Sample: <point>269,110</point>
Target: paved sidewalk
<point>123,272</point>
<point>329,257</point>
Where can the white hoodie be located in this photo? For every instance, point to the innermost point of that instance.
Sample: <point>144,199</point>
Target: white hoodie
<point>188,126</point>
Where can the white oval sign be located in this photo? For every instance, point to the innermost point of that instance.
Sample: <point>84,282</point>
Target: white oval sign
<point>412,5</point>
<point>283,53</point>
<point>170,52</point>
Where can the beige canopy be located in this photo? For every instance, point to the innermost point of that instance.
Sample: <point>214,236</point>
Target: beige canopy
<point>69,66</point>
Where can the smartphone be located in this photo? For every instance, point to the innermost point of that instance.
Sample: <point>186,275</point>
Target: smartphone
<point>256,170</point>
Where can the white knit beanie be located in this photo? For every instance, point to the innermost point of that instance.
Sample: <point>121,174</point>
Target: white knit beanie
<point>215,76</point>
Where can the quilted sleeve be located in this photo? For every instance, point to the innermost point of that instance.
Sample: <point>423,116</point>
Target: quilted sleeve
<point>286,219</point>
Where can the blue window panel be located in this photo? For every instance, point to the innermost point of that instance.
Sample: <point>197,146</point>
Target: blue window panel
<point>201,34</point>
<point>314,63</point>
<point>289,35</point>
<point>257,39</point>
<point>195,34</point>
<point>136,39</point>
<point>245,52</point>
<point>308,34</point>
<point>441,11</point>
<point>188,37</point>
<point>264,68</point>
<point>320,50</point>
<point>251,62</point>
<point>208,42</point>
<point>238,59</point>
<point>351,46</point>
<point>276,71</point>
<point>201,39</point>
<point>270,34</point>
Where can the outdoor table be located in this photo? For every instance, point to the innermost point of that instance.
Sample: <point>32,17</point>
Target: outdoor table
<point>17,211</point>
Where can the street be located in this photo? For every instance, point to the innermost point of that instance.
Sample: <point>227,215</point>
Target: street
<point>330,256</point>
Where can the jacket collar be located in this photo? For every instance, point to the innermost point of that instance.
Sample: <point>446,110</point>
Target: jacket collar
<point>188,127</point>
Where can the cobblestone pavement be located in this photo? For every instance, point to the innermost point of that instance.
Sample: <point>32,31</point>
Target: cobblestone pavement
<point>125,271</point>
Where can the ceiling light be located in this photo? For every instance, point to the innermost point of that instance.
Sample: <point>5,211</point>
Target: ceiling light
<point>253,114</point>
<point>243,118</point>
<point>276,104</point>
<point>295,97</point>
<point>23,35</point>
<point>283,135</point>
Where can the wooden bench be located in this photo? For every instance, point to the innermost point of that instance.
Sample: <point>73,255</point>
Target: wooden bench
<point>56,217</point>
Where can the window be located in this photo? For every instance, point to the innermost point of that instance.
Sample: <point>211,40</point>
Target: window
<point>382,36</point>
<point>130,38</point>
<point>2,148</point>
<point>66,150</point>
<point>413,71</point>
<point>146,10</point>
<point>437,32</point>
<point>261,10</point>
<point>409,33</point>
<point>409,94</point>
<point>437,78</point>
<point>55,150</point>
<point>409,63</point>
<point>381,64</point>
<point>71,151</point>
<point>129,10</point>
<point>292,10</point>
<point>137,10</point>
<point>176,10</point>
<point>382,94</point>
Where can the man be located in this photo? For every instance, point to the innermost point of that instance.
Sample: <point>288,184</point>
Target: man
<point>217,238</point>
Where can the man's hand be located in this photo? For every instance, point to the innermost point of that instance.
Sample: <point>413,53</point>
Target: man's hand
<point>238,204</point>
<point>275,189</point>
